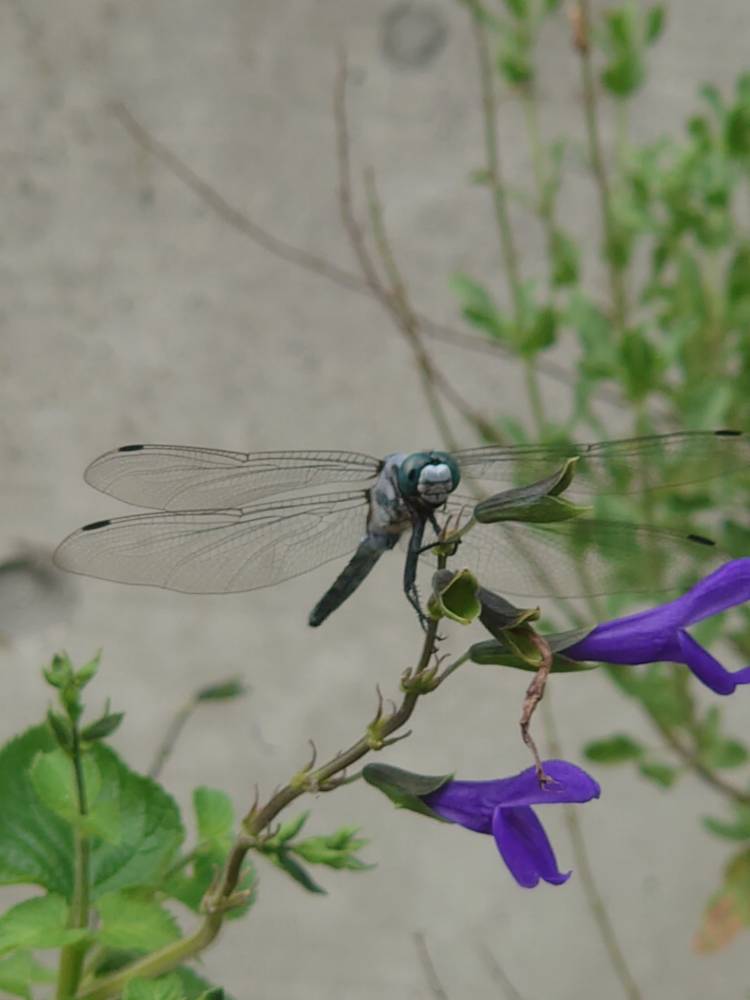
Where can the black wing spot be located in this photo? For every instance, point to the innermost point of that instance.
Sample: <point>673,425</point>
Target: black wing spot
<point>702,540</point>
<point>727,433</point>
<point>132,447</point>
<point>95,524</point>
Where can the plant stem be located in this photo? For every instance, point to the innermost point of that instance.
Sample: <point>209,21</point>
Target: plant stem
<point>596,156</point>
<point>224,896</point>
<point>506,237</point>
<point>594,898</point>
<point>72,956</point>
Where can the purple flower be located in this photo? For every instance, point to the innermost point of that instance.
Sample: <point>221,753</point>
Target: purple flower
<point>660,633</point>
<point>503,808</point>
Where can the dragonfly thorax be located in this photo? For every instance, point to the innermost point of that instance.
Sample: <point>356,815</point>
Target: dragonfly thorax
<point>429,476</point>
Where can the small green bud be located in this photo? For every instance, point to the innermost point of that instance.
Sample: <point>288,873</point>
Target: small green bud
<point>103,727</point>
<point>62,730</point>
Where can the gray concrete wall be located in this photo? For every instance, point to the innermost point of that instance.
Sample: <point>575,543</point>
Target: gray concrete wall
<point>130,312</point>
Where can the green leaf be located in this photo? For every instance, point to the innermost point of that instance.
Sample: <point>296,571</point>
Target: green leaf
<point>37,923</point>
<point>19,971</point>
<point>150,828</point>
<point>640,363</point>
<point>596,337</point>
<point>53,779</point>
<point>224,691</point>
<point>36,844</point>
<point>405,788</point>
<point>301,876</point>
<point>217,993</point>
<point>134,923</point>
<point>654,26</point>
<point>103,727</point>
<point>166,988</point>
<point>214,815</point>
<point>613,749</point>
<point>660,774</point>
<point>479,309</point>
<point>289,830</point>
<point>737,830</point>
<point>194,986</point>
<point>518,8</point>
<point>565,259</point>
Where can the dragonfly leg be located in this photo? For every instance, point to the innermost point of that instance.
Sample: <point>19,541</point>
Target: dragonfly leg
<point>534,694</point>
<point>410,569</point>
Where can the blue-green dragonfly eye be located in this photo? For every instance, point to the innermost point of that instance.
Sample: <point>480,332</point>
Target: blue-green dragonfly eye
<point>428,475</point>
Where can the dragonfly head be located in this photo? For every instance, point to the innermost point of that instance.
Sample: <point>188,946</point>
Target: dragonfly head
<point>429,476</point>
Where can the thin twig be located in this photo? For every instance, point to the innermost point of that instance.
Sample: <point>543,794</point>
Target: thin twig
<point>508,249</point>
<point>585,872</point>
<point>311,262</point>
<point>498,973</point>
<point>224,895</point>
<point>696,765</point>
<point>581,20</point>
<point>430,972</point>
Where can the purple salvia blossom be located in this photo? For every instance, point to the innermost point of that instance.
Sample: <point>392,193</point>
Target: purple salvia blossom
<point>660,633</point>
<point>503,808</point>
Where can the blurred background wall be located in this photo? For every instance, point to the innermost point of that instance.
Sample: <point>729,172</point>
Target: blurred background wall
<point>129,311</point>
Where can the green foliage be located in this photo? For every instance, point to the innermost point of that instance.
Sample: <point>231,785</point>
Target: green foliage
<point>613,749</point>
<point>336,850</point>
<point>41,922</point>
<point>20,971</point>
<point>132,921</point>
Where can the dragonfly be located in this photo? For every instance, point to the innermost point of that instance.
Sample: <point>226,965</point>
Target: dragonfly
<point>229,521</point>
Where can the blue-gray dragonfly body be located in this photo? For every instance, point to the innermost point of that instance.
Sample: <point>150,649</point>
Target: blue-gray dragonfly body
<point>225,521</point>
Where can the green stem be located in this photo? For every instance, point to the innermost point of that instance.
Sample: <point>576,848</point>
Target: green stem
<point>535,396</point>
<point>596,156</point>
<point>72,956</point>
<point>224,896</point>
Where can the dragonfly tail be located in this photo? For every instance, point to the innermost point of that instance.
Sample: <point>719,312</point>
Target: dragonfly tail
<point>363,560</point>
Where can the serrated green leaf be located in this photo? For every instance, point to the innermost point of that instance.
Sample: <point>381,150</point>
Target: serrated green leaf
<point>165,988</point>
<point>660,774</point>
<point>134,923</point>
<point>37,923</point>
<point>36,845</point>
<point>53,778</point>
<point>214,814</point>
<point>19,971</point>
<point>150,828</point>
<point>194,986</point>
<point>613,749</point>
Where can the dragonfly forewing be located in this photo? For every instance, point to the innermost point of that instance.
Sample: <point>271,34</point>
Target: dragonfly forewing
<point>173,477</point>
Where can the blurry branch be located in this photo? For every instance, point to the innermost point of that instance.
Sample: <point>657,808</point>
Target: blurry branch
<point>508,249</point>
<point>394,297</point>
<point>430,973</point>
<point>695,764</point>
<point>222,691</point>
<point>580,17</point>
<point>311,262</point>
<point>498,973</point>
<point>584,871</point>
<point>506,237</point>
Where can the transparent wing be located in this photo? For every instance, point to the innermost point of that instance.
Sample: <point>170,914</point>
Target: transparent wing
<point>616,467</point>
<point>172,477</point>
<point>582,557</point>
<point>219,552</point>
